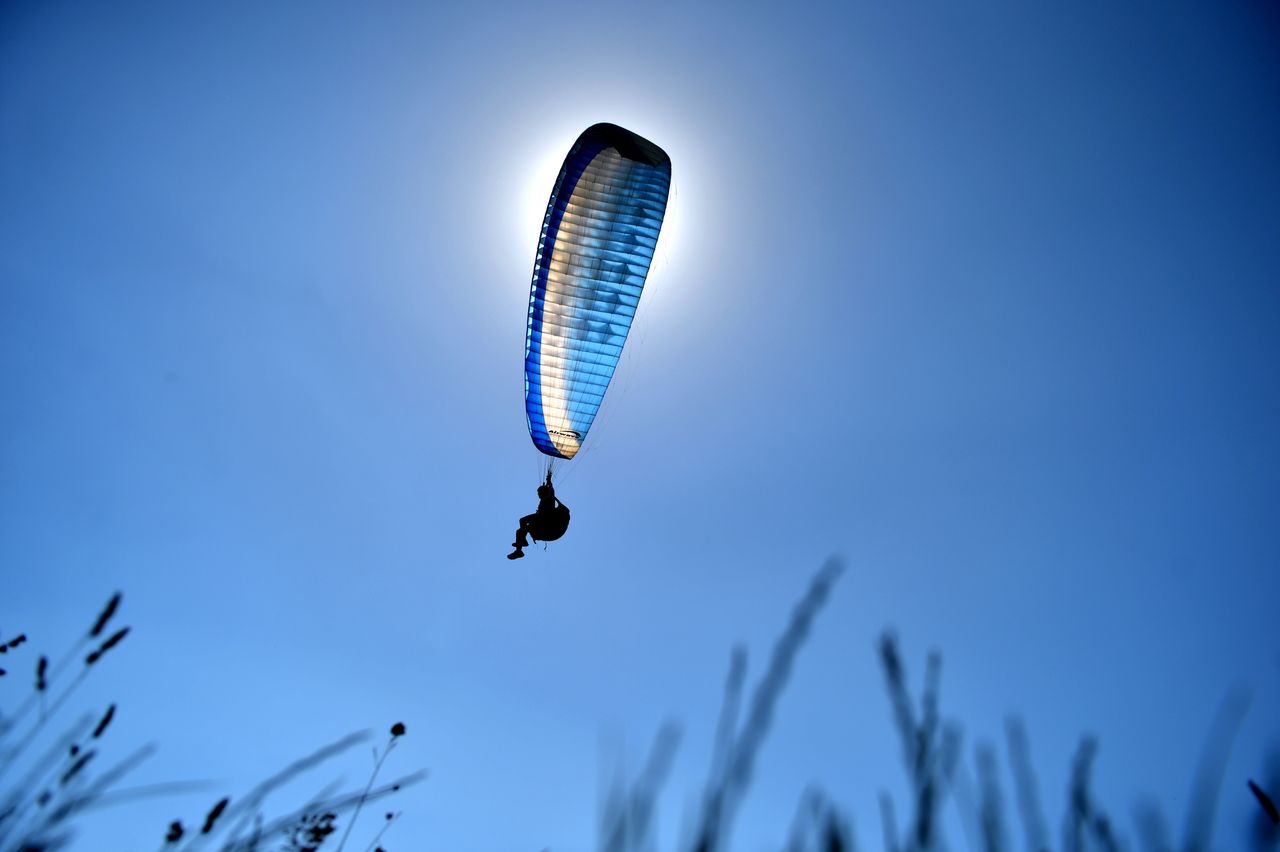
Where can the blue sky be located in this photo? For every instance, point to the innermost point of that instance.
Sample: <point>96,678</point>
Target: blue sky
<point>983,299</point>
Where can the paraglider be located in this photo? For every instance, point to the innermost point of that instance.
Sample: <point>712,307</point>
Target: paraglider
<point>597,242</point>
<point>547,524</point>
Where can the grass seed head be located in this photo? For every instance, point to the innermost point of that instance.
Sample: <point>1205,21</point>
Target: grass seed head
<point>114,640</point>
<point>214,814</point>
<point>77,767</point>
<point>104,721</point>
<point>1268,806</point>
<point>105,616</point>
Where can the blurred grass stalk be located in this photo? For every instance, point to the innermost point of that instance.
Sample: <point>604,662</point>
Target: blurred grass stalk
<point>937,772</point>
<point>39,809</point>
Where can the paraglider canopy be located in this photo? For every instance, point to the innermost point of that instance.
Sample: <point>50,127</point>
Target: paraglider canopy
<point>598,238</point>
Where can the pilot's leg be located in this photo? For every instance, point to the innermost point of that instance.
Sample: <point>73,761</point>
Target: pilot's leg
<point>526,524</point>
<point>521,541</point>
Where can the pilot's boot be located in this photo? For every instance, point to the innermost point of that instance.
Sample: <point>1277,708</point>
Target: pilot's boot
<point>516,554</point>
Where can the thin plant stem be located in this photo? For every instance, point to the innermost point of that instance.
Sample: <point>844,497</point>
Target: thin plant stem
<point>386,823</point>
<point>367,787</point>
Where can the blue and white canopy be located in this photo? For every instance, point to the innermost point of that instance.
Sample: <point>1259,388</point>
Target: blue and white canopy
<point>598,238</point>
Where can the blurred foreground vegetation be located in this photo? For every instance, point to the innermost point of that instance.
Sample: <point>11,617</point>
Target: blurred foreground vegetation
<point>51,774</point>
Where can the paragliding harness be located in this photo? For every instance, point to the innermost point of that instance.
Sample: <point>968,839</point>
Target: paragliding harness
<point>547,524</point>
